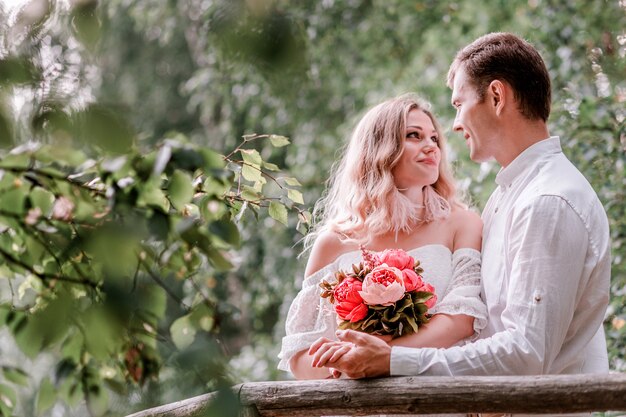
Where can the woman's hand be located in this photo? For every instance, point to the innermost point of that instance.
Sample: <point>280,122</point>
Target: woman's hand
<point>330,352</point>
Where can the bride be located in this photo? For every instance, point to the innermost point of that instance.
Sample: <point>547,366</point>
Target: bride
<point>391,190</point>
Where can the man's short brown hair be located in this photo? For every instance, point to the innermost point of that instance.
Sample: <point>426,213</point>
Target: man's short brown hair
<point>508,58</point>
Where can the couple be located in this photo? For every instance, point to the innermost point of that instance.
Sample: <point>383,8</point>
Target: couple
<point>538,304</point>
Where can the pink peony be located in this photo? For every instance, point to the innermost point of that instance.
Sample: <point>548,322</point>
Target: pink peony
<point>429,288</point>
<point>412,281</point>
<point>383,286</point>
<point>349,304</point>
<point>397,258</point>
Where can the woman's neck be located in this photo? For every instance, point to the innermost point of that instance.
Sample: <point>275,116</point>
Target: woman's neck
<point>415,194</point>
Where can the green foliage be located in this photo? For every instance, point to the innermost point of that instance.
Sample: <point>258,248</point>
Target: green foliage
<point>98,247</point>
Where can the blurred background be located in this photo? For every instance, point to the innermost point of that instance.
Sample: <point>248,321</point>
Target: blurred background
<point>215,70</point>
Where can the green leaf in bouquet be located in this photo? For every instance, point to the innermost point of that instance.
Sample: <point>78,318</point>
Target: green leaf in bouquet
<point>370,323</point>
<point>391,316</point>
<point>278,212</point>
<point>404,303</point>
<point>347,325</point>
<point>421,296</point>
<point>411,321</point>
<point>422,308</point>
<point>279,141</point>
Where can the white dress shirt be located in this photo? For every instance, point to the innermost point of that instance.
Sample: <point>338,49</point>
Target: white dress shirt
<point>545,277</point>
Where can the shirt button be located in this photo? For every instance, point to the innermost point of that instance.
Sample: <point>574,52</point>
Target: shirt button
<point>496,210</point>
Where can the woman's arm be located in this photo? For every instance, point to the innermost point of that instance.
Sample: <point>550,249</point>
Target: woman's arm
<point>301,367</point>
<point>444,330</point>
<point>301,326</point>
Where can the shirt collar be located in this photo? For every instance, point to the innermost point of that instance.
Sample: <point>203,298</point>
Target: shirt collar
<point>527,158</point>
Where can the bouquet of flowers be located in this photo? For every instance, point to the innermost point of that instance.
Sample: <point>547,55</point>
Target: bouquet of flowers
<point>383,295</point>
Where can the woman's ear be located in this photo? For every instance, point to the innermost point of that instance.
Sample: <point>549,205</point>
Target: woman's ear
<point>497,96</point>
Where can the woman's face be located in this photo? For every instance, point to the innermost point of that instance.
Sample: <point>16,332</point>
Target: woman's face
<point>419,162</point>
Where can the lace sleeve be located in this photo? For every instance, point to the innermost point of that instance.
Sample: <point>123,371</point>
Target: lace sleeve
<point>463,294</point>
<point>310,317</point>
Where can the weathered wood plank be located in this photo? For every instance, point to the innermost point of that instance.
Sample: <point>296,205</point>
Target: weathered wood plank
<point>415,395</point>
<point>191,407</point>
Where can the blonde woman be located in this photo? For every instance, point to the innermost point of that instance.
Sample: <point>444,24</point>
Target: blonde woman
<point>391,190</point>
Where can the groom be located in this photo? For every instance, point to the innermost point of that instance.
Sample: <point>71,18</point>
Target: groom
<point>546,251</point>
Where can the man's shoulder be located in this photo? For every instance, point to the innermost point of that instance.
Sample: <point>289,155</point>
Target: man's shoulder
<point>560,178</point>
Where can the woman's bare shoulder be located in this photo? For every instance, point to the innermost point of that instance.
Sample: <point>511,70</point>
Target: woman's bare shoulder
<point>468,229</point>
<point>327,247</point>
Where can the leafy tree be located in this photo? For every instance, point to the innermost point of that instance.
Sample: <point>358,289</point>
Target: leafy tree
<point>114,253</point>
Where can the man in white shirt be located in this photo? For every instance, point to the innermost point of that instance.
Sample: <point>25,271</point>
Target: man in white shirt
<point>546,248</point>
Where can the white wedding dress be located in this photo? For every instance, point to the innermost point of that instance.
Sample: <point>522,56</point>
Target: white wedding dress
<point>455,276</point>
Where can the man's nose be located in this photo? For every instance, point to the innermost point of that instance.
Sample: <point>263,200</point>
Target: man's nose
<point>456,125</point>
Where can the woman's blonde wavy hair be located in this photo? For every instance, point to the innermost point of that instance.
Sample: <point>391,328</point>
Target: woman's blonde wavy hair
<point>362,200</point>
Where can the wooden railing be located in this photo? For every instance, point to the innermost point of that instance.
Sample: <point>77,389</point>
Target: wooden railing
<point>548,394</point>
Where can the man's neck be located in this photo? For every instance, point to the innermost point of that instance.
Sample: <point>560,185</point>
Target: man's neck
<point>518,137</point>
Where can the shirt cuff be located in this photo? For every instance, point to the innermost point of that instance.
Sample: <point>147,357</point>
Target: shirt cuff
<point>404,361</point>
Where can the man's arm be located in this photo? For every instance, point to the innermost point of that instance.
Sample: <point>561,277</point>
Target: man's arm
<point>547,245</point>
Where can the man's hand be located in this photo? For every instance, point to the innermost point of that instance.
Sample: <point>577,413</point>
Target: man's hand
<point>356,355</point>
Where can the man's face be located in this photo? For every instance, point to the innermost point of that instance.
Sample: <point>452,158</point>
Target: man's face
<point>474,118</point>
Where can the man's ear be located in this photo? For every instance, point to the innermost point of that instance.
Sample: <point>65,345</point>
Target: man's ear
<point>497,95</point>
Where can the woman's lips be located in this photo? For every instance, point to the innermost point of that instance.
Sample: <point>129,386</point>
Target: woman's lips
<point>428,161</point>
